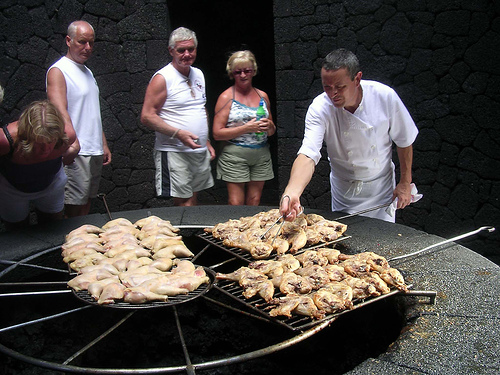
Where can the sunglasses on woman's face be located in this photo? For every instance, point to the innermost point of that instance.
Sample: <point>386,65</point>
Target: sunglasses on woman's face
<point>241,71</point>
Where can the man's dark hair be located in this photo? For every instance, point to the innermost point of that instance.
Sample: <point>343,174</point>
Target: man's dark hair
<point>342,58</point>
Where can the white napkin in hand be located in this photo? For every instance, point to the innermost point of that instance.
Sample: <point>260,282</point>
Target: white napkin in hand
<point>391,210</point>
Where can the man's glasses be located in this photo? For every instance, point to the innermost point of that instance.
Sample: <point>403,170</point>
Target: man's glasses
<point>241,71</point>
<point>181,50</point>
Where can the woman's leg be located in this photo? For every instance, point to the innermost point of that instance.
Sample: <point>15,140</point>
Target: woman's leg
<point>235,193</point>
<point>254,192</point>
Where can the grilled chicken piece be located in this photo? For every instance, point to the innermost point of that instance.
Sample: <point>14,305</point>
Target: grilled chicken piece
<point>239,273</point>
<point>223,230</point>
<point>331,254</point>
<point>377,262</point>
<point>295,235</point>
<point>374,279</point>
<point>271,268</point>
<point>332,299</point>
<point>263,288</point>
<point>315,274</point>
<point>312,257</point>
<point>356,267</point>
<point>111,293</point>
<point>335,272</point>
<point>393,277</point>
<point>361,289</point>
<point>290,282</point>
<point>289,262</point>
<point>257,249</point>
<point>313,218</point>
<point>302,305</point>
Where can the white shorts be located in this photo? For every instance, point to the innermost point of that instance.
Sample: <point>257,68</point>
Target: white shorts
<point>180,174</point>
<point>84,175</point>
<point>15,205</point>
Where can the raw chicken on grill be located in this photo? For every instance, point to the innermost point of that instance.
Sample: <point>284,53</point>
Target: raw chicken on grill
<point>84,229</point>
<point>120,221</point>
<point>159,289</point>
<point>95,288</point>
<point>81,282</point>
<point>111,293</point>
<point>331,254</point>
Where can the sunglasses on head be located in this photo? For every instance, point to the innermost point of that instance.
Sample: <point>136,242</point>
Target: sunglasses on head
<point>181,50</point>
<point>240,71</point>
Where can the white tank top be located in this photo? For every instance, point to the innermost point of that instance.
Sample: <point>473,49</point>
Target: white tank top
<point>83,105</point>
<point>184,108</point>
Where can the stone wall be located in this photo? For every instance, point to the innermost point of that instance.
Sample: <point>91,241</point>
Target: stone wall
<point>439,55</point>
<point>442,58</point>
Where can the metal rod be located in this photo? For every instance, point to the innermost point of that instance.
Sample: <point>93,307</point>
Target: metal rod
<point>97,339</point>
<point>43,319</point>
<point>200,253</point>
<point>222,263</point>
<point>422,293</point>
<point>487,228</point>
<point>34,283</point>
<point>20,294</point>
<point>364,211</point>
<point>20,263</point>
<point>215,302</point>
<point>189,366</point>
<point>103,197</point>
<point>36,255</point>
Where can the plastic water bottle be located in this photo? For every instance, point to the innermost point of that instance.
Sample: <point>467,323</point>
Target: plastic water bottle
<point>261,113</point>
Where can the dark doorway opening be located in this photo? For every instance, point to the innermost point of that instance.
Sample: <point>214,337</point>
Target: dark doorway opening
<point>223,27</point>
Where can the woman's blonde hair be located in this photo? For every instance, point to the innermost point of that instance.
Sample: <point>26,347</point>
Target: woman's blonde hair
<point>40,122</point>
<point>240,58</point>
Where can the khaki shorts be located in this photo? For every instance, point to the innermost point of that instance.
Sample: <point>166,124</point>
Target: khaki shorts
<point>243,164</point>
<point>84,175</point>
<point>180,174</point>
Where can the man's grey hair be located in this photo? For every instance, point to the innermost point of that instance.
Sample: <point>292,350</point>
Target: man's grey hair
<point>73,26</point>
<point>342,59</point>
<point>180,35</point>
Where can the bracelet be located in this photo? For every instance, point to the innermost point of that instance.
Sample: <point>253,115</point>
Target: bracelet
<point>174,134</point>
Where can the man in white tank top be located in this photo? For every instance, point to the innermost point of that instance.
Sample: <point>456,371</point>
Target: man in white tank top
<point>73,90</point>
<point>174,107</point>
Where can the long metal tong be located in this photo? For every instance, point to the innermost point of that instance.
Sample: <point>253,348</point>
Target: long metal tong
<point>282,218</point>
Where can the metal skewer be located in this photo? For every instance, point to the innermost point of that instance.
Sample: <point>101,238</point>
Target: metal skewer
<point>364,211</point>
